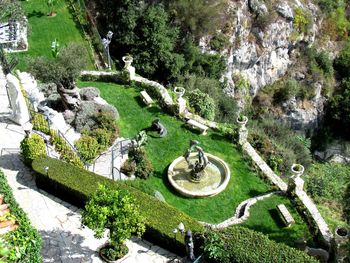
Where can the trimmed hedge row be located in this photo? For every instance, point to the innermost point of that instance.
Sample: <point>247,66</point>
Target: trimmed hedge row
<point>239,244</point>
<point>75,186</point>
<point>24,243</point>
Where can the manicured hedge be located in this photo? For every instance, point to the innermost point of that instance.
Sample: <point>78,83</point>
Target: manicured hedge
<point>239,244</point>
<point>24,242</point>
<point>75,186</point>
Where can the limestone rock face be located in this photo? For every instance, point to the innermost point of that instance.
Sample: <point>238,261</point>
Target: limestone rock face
<point>263,38</point>
<point>305,115</point>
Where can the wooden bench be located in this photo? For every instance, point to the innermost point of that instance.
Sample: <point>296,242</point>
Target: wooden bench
<point>146,98</point>
<point>197,125</point>
<point>287,217</point>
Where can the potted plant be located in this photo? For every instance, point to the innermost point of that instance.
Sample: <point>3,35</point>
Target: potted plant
<point>116,211</point>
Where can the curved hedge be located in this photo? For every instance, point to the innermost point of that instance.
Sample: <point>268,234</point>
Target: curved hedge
<point>24,243</point>
<point>75,185</point>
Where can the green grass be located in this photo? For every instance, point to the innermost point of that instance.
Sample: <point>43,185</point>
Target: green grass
<point>244,183</point>
<point>264,217</point>
<point>44,29</point>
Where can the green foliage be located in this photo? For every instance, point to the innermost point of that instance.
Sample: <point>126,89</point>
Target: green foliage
<point>87,147</point>
<point>338,114</point>
<point>144,167</point>
<point>4,250</point>
<point>63,70</point>
<point>32,147</point>
<point>198,17</point>
<point>116,211</point>
<point>238,244</point>
<point>51,4</point>
<point>103,137</point>
<point>11,10</point>
<point>286,91</point>
<point>329,6</point>
<point>106,120</point>
<point>24,243</point>
<point>202,104</point>
<point>342,24</point>
<point>342,62</point>
<point>327,183</point>
<point>219,41</point>
<point>302,20</point>
<point>40,123</point>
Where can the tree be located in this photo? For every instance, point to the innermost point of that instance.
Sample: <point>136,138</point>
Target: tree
<point>117,212</point>
<point>63,70</point>
<point>11,10</point>
<point>154,51</point>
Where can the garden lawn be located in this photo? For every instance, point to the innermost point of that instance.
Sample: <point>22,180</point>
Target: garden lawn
<point>264,217</point>
<point>44,29</point>
<point>134,116</point>
<point>244,183</point>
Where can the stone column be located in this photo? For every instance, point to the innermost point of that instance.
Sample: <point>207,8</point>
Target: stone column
<point>243,131</point>
<point>341,237</point>
<point>128,60</point>
<point>295,183</point>
<point>180,91</point>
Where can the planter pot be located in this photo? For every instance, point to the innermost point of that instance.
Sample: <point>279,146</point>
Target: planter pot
<point>179,91</point>
<point>342,232</point>
<point>242,120</point>
<point>297,169</point>
<point>105,259</point>
<point>127,60</point>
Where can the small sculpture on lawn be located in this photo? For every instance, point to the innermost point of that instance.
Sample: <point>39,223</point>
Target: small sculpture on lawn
<point>156,125</point>
<point>197,169</point>
<point>189,246</point>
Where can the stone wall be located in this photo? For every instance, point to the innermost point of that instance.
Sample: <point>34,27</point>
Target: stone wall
<point>295,187</point>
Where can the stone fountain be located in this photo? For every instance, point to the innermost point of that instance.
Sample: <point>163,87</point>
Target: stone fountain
<point>198,174</point>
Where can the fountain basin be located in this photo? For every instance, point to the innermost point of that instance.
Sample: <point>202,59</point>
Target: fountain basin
<point>215,179</point>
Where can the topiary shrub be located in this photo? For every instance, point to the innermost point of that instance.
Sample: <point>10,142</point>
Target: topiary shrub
<point>202,104</point>
<point>40,123</point>
<point>32,147</point>
<point>144,167</point>
<point>87,147</point>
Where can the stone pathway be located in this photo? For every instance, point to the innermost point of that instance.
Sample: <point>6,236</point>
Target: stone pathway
<point>64,239</point>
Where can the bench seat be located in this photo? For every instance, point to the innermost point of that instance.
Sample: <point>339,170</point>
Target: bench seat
<point>287,217</point>
<point>197,125</point>
<point>146,98</point>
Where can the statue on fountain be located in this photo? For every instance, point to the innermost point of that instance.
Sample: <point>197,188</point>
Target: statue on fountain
<point>197,169</point>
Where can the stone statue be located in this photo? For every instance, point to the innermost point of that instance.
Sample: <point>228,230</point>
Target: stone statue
<point>156,125</point>
<point>20,113</point>
<point>189,246</point>
<point>319,253</point>
<point>198,167</point>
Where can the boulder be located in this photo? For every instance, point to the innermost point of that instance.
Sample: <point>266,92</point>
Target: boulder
<point>89,93</point>
<point>257,6</point>
<point>285,11</point>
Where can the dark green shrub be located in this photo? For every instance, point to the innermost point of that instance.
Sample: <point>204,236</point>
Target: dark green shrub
<point>219,42</point>
<point>75,186</point>
<point>144,167</point>
<point>24,243</point>
<point>103,138</point>
<point>128,167</point>
<point>286,91</point>
<point>87,147</point>
<point>107,121</point>
<point>238,244</point>
<point>32,146</point>
<point>202,104</point>
<point>40,123</point>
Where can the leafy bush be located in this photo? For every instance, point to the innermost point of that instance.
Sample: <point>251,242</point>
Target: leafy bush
<point>238,244</point>
<point>76,185</point>
<point>40,123</point>
<point>116,211</point>
<point>24,243</point>
<point>286,91</point>
<point>342,61</point>
<point>32,147</point>
<point>144,167</point>
<point>87,147</point>
<point>202,104</point>
<point>103,138</point>
<point>302,20</point>
<point>219,42</point>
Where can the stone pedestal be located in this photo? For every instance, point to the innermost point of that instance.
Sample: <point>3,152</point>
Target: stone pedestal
<point>182,105</point>
<point>341,237</point>
<point>128,60</point>
<point>295,184</point>
<point>243,131</point>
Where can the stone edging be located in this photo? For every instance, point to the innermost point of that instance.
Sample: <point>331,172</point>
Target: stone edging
<point>240,217</point>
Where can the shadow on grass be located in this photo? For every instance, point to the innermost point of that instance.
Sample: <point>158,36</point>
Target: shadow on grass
<point>219,137</point>
<point>277,217</point>
<point>193,130</point>
<point>37,14</point>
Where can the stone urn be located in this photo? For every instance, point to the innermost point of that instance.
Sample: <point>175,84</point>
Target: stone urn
<point>179,91</point>
<point>341,237</point>
<point>242,120</point>
<point>297,170</point>
<point>127,60</point>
